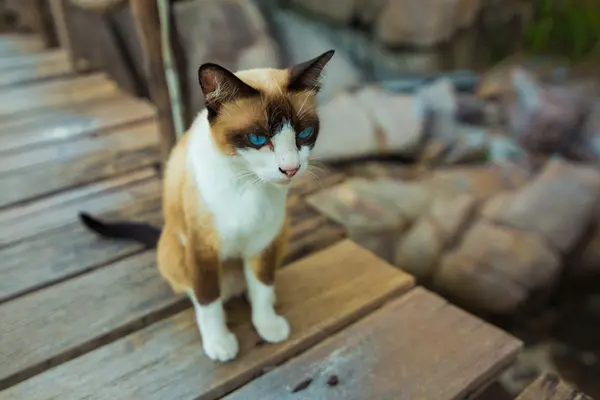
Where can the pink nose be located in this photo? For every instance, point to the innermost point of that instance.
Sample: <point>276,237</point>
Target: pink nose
<point>289,172</point>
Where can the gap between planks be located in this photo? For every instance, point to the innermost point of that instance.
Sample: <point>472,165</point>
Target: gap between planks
<point>319,295</point>
<point>416,347</point>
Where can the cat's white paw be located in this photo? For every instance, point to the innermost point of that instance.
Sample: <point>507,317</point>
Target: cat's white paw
<point>272,329</point>
<point>221,348</point>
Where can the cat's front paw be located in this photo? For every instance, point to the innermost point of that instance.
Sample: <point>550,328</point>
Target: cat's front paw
<point>221,348</point>
<point>272,329</point>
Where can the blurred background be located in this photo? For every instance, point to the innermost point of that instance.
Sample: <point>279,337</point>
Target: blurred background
<point>467,133</point>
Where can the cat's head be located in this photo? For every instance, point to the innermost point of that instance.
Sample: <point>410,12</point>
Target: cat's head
<point>265,119</point>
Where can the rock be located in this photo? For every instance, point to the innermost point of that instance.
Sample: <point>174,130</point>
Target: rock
<point>503,149</point>
<point>586,264</point>
<point>470,145</point>
<point>346,131</point>
<point>439,98</point>
<point>497,81</point>
<point>380,242</point>
<point>467,12</point>
<point>496,268</point>
<point>548,119</point>
<point>337,10</point>
<point>558,204</point>
<point>418,251</point>
<point>423,23</point>
<point>367,124</point>
<point>451,215</point>
<point>381,204</point>
<point>480,181</point>
<point>399,120</point>
<point>471,109</point>
<point>367,11</point>
<point>362,205</point>
<point>204,31</point>
<point>303,38</point>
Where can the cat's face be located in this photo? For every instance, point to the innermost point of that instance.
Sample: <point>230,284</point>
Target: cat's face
<point>265,119</point>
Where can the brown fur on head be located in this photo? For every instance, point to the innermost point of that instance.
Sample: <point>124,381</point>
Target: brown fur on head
<point>259,100</point>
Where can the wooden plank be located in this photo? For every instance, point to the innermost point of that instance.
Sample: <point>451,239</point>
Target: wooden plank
<point>128,137</point>
<point>147,25</point>
<point>34,73</point>
<point>14,44</point>
<point>33,59</point>
<point>551,387</point>
<point>38,217</point>
<point>58,247</point>
<point>55,93</point>
<point>71,250</point>
<point>319,295</point>
<point>48,178</point>
<point>72,121</point>
<point>49,326</point>
<point>416,347</point>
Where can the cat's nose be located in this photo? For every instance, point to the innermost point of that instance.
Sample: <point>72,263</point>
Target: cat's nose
<point>289,171</point>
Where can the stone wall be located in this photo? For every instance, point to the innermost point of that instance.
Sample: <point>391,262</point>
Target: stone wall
<point>504,196</point>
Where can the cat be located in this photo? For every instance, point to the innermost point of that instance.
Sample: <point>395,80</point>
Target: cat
<point>224,195</point>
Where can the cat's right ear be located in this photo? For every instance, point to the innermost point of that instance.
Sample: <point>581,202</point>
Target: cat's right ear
<point>219,85</point>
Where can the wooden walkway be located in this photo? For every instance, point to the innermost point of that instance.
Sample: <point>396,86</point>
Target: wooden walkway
<point>87,318</point>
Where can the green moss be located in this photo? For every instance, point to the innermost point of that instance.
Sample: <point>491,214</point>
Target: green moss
<point>565,27</point>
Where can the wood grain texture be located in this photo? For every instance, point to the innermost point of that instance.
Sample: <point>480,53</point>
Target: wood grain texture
<point>551,387</point>
<point>34,73</point>
<point>137,150</point>
<point>319,295</point>
<point>58,247</point>
<point>147,25</point>
<point>71,121</point>
<point>32,59</point>
<point>122,138</point>
<point>416,347</point>
<point>69,251</point>
<point>39,217</point>
<point>67,319</point>
<point>16,44</point>
<point>54,93</point>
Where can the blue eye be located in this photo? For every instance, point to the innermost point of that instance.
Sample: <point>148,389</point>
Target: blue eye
<point>305,133</point>
<point>257,140</point>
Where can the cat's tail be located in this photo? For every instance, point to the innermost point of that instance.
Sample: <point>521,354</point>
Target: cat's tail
<point>142,233</point>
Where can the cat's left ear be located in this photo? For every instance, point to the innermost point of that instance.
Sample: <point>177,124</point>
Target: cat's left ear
<point>307,75</point>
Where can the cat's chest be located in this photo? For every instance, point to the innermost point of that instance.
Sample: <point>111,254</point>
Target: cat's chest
<point>247,220</point>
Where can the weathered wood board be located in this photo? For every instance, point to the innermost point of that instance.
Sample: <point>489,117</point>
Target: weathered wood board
<point>36,218</point>
<point>319,295</point>
<point>70,121</point>
<point>69,318</point>
<point>416,347</point>
<point>129,149</point>
<point>54,93</point>
<point>15,44</point>
<point>48,65</point>
<point>551,387</point>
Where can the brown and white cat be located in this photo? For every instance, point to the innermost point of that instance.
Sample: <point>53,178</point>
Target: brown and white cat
<point>224,198</point>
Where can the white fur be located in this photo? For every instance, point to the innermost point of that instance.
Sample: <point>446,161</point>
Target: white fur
<point>218,342</point>
<point>246,195</point>
<point>271,327</point>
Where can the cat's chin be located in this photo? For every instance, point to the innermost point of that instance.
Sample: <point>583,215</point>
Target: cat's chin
<point>280,183</point>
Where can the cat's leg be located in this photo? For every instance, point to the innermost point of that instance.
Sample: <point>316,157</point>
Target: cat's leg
<point>260,279</point>
<point>219,343</point>
<point>196,273</point>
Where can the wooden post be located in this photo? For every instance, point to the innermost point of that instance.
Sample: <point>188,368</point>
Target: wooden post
<point>147,24</point>
<point>37,15</point>
<point>59,15</point>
